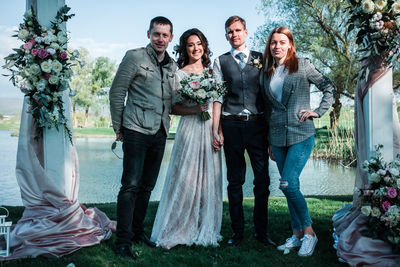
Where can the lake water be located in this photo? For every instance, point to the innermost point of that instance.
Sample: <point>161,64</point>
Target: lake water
<point>100,173</point>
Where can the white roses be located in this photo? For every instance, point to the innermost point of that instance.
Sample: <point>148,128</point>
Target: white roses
<point>23,34</point>
<point>368,6</point>
<point>46,66</point>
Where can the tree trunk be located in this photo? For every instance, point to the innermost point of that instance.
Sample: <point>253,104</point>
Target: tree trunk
<point>335,113</point>
<point>86,116</point>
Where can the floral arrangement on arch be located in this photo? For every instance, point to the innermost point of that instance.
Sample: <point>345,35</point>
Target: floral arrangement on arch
<point>200,88</point>
<point>380,199</point>
<point>378,25</point>
<point>41,68</point>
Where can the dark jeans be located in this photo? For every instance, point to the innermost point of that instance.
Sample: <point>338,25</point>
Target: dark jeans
<point>142,159</point>
<point>251,136</point>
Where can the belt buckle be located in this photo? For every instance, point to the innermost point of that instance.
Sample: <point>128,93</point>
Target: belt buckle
<point>247,117</point>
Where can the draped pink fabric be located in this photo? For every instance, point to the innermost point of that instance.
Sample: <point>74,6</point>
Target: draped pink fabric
<point>352,246</point>
<point>52,224</point>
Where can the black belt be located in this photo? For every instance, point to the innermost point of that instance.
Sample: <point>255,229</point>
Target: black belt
<point>241,117</point>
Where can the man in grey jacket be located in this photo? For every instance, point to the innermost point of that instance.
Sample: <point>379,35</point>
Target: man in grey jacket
<point>145,75</point>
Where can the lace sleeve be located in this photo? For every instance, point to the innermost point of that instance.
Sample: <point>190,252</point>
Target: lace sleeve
<point>176,97</point>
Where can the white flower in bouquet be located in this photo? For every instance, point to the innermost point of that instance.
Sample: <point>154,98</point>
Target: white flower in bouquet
<point>393,210</point>
<point>46,66</point>
<point>380,4</point>
<point>23,34</point>
<point>381,172</point>
<point>205,83</point>
<point>377,16</point>
<point>201,93</point>
<point>368,6</point>
<point>56,66</point>
<point>53,79</point>
<point>39,40</point>
<point>396,7</point>
<point>35,69</point>
<point>366,210</point>
<point>52,51</point>
<point>55,46</point>
<point>375,212</point>
<point>62,38</point>
<point>374,178</point>
<point>379,25</point>
<point>394,171</point>
<point>41,85</point>
<point>48,39</point>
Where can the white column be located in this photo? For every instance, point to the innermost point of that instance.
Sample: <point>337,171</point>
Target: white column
<point>56,146</point>
<point>378,116</point>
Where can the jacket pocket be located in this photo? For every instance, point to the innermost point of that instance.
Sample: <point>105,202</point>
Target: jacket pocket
<point>144,113</point>
<point>144,72</point>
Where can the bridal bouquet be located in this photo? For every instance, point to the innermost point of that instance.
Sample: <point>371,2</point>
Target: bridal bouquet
<point>381,200</point>
<point>378,25</point>
<point>40,67</point>
<point>200,88</point>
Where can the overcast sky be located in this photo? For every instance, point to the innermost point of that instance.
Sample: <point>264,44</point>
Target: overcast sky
<point>109,28</point>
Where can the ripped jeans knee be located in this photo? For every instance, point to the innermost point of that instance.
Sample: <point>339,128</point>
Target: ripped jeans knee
<point>283,185</point>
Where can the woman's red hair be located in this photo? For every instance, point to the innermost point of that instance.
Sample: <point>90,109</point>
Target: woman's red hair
<point>291,61</point>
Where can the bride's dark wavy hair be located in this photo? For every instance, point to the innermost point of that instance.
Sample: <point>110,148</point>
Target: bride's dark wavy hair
<point>183,57</point>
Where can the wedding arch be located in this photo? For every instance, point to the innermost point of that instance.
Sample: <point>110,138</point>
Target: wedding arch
<point>53,223</point>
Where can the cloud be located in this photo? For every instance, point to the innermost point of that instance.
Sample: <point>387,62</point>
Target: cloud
<point>115,51</point>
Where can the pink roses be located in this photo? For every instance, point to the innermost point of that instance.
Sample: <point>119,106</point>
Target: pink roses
<point>42,53</point>
<point>29,44</point>
<point>386,205</point>
<point>391,192</point>
<point>63,55</point>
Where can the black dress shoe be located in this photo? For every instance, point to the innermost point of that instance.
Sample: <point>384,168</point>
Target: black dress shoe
<point>126,252</point>
<point>143,238</point>
<point>235,240</point>
<point>266,240</point>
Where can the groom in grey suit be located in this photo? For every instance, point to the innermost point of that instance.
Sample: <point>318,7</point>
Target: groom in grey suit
<point>243,127</point>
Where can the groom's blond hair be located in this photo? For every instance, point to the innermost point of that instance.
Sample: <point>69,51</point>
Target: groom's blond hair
<point>233,19</point>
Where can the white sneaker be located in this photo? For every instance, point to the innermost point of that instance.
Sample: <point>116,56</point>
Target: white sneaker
<point>307,245</point>
<point>290,243</point>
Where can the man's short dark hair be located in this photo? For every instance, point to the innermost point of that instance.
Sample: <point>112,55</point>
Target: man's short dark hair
<point>233,19</point>
<point>160,20</point>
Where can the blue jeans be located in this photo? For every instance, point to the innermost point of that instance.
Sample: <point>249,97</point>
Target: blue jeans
<point>291,161</point>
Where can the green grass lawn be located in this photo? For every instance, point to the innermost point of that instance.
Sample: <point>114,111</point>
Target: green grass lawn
<point>249,253</point>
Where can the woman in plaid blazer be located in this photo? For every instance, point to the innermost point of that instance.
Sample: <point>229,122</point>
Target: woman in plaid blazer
<point>286,83</point>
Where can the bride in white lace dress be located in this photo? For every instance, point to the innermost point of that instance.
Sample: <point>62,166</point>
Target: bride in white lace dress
<point>190,209</point>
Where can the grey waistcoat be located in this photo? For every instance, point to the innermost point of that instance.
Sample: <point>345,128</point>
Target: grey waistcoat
<point>243,87</point>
